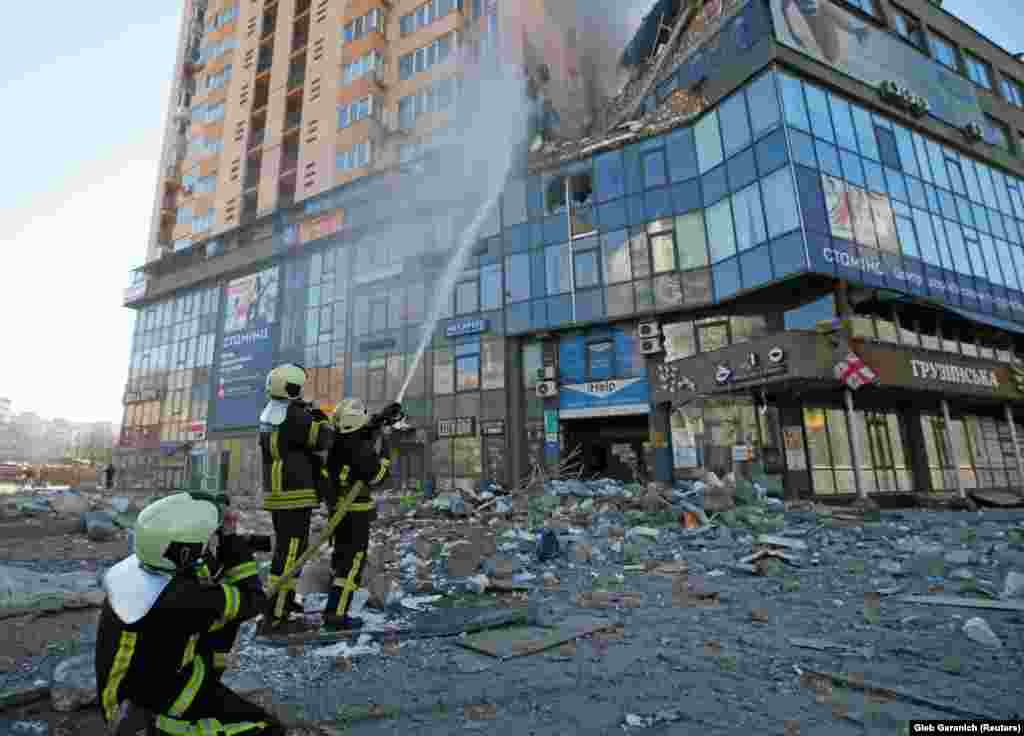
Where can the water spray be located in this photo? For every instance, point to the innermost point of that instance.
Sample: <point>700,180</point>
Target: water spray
<point>451,275</point>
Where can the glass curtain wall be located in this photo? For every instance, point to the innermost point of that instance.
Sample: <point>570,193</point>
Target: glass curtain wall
<point>937,222</point>
<point>984,448</point>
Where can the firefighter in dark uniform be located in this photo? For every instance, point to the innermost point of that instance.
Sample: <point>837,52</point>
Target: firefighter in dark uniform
<point>291,435</point>
<point>172,613</point>
<point>355,457</point>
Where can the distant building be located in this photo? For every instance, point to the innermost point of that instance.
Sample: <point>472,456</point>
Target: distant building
<point>5,410</point>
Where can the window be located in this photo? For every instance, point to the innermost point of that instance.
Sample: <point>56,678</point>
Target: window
<point>490,286</point>
<point>749,219</point>
<point>978,70</point>
<point>405,66</point>
<point>908,28</point>
<point>587,272</point>
<point>780,202</point>
<point>467,365</point>
<point>558,269</point>
<point>615,252</point>
<point>867,6</point>
<point>517,286</point>
<point>691,240</point>
<point>407,112</point>
<point>995,133</point>
<point>601,360</point>
<point>581,214</point>
<point>1013,92</point>
<point>720,233</point>
<point>944,52</point>
<point>467,297</point>
<point>407,24</point>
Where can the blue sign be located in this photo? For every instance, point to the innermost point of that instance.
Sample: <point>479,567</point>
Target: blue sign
<point>883,270</point>
<point>460,327</point>
<point>616,396</point>
<point>245,359</point>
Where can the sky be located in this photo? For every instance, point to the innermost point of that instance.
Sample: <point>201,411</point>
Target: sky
<point>87,100</point>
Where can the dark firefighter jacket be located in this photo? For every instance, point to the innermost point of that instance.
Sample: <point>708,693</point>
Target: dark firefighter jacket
<point>161,662</point>
<point>354,458</point>
<point>290,468</point>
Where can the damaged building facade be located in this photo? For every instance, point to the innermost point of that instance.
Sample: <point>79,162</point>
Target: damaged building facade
<point>789,247</point>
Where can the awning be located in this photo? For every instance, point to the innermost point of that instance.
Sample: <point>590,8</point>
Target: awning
<point>988,319</point>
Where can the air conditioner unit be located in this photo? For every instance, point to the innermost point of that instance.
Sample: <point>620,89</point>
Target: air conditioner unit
<point>650,346</point>
<point>648,329</point>
<point>547,389</point>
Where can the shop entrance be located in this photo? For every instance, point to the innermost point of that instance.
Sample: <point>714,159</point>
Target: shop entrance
<point>609,447</point>
<point>886,465</point>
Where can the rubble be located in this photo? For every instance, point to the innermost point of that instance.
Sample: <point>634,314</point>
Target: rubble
<point>74,683</point>
<point>1014,586</point>
<point>979,632</point>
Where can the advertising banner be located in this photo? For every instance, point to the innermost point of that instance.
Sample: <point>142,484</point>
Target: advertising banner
<point>834,36</point>
<point>247,349</point>
<point>891,270</point>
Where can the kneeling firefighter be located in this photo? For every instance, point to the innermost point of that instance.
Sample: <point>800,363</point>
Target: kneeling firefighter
<point>360,455</point>
<point>172,614</point>
<point>291,436</point>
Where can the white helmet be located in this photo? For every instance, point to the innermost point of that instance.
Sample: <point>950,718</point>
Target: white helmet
<point>173,533</point>
<point>351,416</point>
<point>286,382</point>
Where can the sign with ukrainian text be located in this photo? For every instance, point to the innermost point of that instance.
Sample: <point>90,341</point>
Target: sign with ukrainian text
<point>459,327</point>
<point>246,351</point>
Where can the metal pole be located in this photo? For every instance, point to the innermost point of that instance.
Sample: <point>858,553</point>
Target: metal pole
<point>855,448</point>
<point>955,451</point>
<point>1016,448</point>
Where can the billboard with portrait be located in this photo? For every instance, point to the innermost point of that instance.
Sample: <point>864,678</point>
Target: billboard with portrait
<point>835,36</point>
<point>246,352</point>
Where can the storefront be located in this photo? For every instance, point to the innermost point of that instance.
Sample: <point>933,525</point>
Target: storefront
<point>774,408</point>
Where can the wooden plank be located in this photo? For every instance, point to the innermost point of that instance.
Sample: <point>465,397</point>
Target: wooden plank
<point>528,640</point>
<point>952,600</point>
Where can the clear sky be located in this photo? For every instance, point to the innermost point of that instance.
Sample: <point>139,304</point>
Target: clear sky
<point>85,101</point>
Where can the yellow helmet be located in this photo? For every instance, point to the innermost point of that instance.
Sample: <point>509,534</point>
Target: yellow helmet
<point>174,532</point>
<point>286,382</point>
<point>351,416</point>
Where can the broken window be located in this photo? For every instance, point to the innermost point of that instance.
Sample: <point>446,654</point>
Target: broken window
<point>581,194</point>
<point>554,195</point>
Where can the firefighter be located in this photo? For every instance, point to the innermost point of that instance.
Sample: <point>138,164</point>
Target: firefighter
<point>291,435</point>
<point>355,457</point>
<point>172,613</point>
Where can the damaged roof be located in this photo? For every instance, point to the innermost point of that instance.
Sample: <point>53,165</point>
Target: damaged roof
<point>621,121</point>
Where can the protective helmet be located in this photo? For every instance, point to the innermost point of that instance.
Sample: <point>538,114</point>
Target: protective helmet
<point>351,416</point>
<point>173,533</point>
<point>286,382</point>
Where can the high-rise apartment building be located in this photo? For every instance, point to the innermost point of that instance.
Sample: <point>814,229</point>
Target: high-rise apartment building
<point>782,240</point>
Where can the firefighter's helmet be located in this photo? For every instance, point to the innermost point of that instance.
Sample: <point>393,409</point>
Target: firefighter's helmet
<point>351,416</point>
<point>286,382</point>
<point>172,534</point>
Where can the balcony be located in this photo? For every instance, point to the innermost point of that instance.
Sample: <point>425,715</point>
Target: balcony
<point>293,120</point>
<point>264,64</point>
<point>296,79</point>
<point>289,163</point>
<point>256,137</point>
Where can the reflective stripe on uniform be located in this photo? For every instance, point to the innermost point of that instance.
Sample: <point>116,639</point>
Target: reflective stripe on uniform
<point>363,506</point>
<point>277,466</point>
<point>206,727</point>
<point>314,433</point>
<point>348,586</point>
<point>241,572</point>
<point>190,652</point>
<point>343,475</point>
<point>381,472</point>
<point>122,661</point>
<point>293,554</point>
<point>220,660</point>
<point>299,498</point>
<point>232,602</point>
<point>183,701</point>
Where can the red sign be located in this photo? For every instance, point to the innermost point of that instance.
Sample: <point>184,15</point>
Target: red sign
<point>854,372</point>
<point>321,226</point>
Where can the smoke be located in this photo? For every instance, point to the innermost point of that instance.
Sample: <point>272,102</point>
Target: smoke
<point>579,44</point>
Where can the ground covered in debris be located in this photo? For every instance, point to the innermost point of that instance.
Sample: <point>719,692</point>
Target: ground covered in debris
<point>753,619</point>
